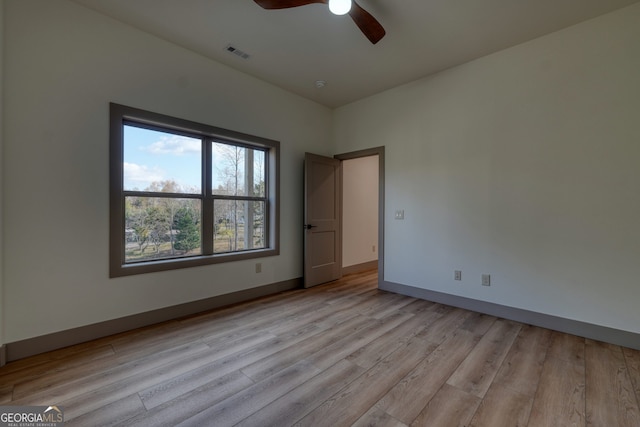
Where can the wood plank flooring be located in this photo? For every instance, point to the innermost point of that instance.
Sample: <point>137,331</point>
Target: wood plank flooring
<point>341,354</point>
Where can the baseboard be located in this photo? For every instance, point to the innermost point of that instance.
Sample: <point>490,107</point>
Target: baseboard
<point>359,268</point>
<point>3,355</point>
<point>574,327</point>
<point>41,344</point>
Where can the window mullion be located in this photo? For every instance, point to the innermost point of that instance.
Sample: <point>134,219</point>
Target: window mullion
<point>132,193</point>
<point>207,202</point>
<point>240,198</point>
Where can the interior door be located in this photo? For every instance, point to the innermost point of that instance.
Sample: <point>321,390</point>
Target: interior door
<point>322,241</point>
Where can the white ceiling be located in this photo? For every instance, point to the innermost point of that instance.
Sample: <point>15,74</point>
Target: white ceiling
<point>292,48</point>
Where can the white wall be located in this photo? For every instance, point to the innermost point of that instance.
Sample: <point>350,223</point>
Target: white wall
<point>525,165</point>
<point>63,65</point>
<point>360,210</point>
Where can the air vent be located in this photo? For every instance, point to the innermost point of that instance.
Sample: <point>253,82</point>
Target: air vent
<point>236,52</point>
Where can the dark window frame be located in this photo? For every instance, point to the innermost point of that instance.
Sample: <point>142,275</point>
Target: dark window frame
<point>120,116</point>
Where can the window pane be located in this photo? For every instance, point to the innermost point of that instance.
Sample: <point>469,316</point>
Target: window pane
<point>238,225</point>
<point>161,227</point>
<point>161,161</point>
<point>237,171</point>
<point>259,173</point>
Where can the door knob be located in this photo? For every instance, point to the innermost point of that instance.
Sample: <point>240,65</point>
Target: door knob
<point>309,226</point>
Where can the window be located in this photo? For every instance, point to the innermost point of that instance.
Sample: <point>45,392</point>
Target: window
<point>185,194</point>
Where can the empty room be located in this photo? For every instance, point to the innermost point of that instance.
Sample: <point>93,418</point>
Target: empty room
<point>320,212</point>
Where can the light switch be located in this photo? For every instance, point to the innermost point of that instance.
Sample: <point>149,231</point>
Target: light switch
<point>400,214</point>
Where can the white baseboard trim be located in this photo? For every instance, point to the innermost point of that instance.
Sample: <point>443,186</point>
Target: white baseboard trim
<point>574,327</point>
<point>41,344</point>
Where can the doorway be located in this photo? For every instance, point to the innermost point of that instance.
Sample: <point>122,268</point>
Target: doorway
<point>359,214</point>
<point>363,180</point>
<point>326,220</point>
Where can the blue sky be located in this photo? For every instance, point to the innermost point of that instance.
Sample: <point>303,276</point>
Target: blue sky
<point>154,156</point>
<point>151,156</point>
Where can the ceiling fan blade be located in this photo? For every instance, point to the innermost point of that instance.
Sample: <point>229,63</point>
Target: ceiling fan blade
<point>285,4</point>
<point>369,25</point>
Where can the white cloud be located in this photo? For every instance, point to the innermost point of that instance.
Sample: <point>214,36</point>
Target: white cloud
<point>175,145</point>
<point>140,176</point>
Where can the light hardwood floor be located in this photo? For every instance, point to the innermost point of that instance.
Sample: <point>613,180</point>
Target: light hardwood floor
<point>340,354</point>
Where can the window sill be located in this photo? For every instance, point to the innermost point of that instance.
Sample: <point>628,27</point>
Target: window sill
<point>195,261</point>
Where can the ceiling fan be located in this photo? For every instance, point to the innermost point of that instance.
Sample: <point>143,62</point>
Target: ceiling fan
<point>369,26</point>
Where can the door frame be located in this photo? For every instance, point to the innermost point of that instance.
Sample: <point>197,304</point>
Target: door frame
<point>379,151</point>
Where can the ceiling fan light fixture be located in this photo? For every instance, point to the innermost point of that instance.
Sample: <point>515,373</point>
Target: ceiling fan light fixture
<point>339,7</point>
<point>369,26</point>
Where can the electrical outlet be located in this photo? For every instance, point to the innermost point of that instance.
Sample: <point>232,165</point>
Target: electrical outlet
<point>373,248</point>
<point>457,275</point>
<point>486,280</point>
<point>258,267</point>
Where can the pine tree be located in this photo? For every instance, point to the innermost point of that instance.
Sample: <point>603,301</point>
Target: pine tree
<point>187,231</point>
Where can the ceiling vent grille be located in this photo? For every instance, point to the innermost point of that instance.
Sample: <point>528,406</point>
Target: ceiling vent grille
<point>236,52</point>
